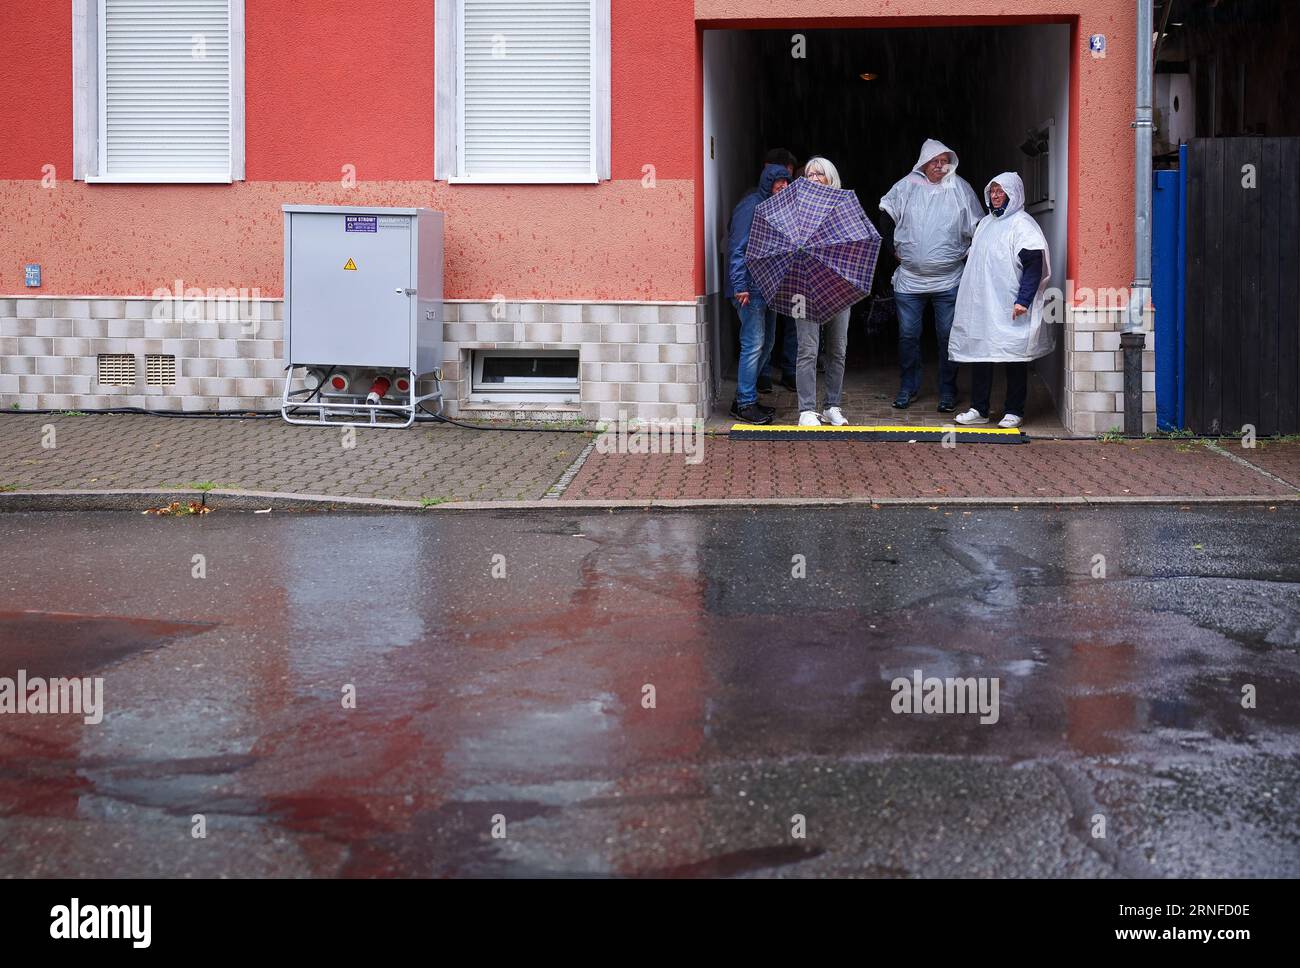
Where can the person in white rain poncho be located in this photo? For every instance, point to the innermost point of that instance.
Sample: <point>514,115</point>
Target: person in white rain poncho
<point>930,217</point>
<point>1000,303</point>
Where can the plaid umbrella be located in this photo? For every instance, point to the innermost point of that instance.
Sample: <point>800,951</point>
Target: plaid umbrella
<point>812,250</point>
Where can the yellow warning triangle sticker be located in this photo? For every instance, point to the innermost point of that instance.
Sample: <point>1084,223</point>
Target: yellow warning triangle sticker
<point>350,265</point>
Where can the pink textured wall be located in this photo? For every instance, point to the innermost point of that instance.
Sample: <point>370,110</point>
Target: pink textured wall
<point>893,10</point>
<point>615,241</point>
<point>35,92</point>
<point>351,82</point>
<point>335,82</point>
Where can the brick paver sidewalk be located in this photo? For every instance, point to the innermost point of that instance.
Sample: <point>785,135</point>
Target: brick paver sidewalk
<point>853,469</point>
<point>433,461</point>
<point>453,464</point>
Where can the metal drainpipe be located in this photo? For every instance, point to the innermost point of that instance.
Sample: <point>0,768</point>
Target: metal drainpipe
<point>1132,339</point>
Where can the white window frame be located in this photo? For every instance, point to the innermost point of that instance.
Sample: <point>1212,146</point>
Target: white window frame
<point>553,388</point>
<point>449,106</point>
<point>89,118</point>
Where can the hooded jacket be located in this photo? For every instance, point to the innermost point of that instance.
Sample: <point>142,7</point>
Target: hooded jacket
<point>983,329</point>
<point>742,217</point>
<point>934,224</point>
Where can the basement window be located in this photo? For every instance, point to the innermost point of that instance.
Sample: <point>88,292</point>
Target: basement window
<point>551,375</point>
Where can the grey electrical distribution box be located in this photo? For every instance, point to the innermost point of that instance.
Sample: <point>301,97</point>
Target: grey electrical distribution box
<point>362,302</point>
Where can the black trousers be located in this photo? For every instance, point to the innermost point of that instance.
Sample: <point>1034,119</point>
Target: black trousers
<point>981,387</point>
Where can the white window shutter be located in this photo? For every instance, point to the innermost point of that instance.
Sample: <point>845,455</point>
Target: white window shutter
<point>165,96</point>
<point>526,90</point>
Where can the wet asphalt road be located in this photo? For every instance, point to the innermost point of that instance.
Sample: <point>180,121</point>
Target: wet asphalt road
<point>519,701</point>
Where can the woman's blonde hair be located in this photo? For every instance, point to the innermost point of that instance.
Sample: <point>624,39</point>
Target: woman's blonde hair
<point>830,171</point>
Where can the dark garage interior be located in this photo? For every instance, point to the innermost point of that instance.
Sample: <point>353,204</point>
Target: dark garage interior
<point>867,99</point>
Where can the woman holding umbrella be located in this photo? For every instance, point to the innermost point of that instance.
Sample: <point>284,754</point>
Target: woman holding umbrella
<point>835,330</point>
<point>812,253</point>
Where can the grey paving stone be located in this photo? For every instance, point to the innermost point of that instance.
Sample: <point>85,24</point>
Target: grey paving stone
<point>138,451</point>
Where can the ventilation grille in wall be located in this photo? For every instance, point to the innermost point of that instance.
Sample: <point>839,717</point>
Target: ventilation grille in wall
<point>159,370</point>
<point>116,369</point>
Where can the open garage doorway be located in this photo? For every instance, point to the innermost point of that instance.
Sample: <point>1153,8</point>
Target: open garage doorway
<point>867,98</point>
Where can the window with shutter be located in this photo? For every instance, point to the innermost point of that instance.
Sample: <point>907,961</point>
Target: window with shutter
<point>167,90</point>
<point>530,87</point>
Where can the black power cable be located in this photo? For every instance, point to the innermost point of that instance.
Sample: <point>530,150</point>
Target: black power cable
<point>196,414</point>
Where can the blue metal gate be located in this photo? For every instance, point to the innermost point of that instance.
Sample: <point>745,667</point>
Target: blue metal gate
<point>1168,288</point>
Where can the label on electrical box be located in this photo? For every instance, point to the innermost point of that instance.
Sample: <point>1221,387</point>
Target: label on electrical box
<point>360,223</point>
<point>395,222</point>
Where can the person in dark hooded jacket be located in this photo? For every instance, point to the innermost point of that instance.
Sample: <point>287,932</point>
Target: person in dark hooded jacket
<point>747,299</point>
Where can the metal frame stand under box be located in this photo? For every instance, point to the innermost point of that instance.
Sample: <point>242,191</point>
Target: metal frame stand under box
<point>363,313</point>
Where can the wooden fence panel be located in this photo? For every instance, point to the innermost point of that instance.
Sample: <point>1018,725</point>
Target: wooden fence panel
<point>1242,362</point>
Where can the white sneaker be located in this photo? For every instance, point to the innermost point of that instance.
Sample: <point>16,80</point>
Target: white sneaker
<point>1009,421</point>
<point>808,418</point>
<point>971,416</point>
<point>835,417</point>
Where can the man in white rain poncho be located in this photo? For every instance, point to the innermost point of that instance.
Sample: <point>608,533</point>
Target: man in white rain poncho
<point>930,218</point>
<point>1000,314</point>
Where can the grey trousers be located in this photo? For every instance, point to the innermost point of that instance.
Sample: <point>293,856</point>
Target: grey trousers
<point>836,333</point>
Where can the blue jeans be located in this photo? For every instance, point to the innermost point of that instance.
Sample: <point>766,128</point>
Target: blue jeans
<point>753,332</point>
<point>834,332</point>
<point>789,345</point>
<point>911,310</point>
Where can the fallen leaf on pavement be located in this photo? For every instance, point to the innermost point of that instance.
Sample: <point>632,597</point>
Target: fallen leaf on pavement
<point>176,509</point>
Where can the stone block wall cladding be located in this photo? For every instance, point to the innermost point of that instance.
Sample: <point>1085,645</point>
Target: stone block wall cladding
<point>648,360</point>
<point>49,349</point>
<point>1094,367</point>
